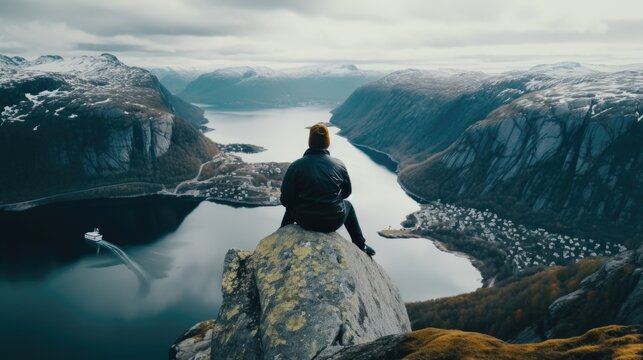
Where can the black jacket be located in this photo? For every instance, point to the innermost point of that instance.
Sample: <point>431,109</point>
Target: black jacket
<point>314,189</point>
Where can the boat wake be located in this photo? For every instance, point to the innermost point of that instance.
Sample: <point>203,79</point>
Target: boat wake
<point>142,275</point>
<point>150,264</point>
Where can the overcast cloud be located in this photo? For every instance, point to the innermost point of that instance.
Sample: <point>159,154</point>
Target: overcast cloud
<point>206,34</point>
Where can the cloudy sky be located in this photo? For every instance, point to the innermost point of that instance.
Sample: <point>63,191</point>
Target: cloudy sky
<point>205,34</point>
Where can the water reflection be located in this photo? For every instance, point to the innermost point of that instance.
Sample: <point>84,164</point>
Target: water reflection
<point>38,241</point>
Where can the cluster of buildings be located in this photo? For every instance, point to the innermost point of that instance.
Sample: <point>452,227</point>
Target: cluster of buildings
<point>229,179</point>
<point>524,247</point>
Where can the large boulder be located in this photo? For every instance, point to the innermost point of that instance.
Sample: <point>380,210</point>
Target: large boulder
<point>303,294</point>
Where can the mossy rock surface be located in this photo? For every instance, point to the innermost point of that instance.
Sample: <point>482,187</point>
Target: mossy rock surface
<point>609,342</point>
<point>301,294</point>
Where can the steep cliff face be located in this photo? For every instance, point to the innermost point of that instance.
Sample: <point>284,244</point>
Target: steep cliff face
<point>82,122</point>
<point>557,142</point>
<point>613,294</point>
<point>412,112</point>
<point>300,295</point>
<point>265,87</point>
<point>557,302</point>
<point>569,152</point>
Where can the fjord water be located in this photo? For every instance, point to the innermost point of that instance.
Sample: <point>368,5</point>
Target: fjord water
<point>59,299</point>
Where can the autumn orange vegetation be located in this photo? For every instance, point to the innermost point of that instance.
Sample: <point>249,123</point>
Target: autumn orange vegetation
<point>503,310</point>
<point>609,342</point>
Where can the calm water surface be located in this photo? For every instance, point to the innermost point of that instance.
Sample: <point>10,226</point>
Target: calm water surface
<point>59,299</point>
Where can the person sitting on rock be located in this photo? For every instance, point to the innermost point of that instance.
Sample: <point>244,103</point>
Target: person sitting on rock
<point>315,188</point>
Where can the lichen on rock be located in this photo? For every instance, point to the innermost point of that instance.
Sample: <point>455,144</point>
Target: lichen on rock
<point>194,344</point>
<point>303,294</point>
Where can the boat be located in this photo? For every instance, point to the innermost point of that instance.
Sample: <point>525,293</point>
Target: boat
<point>93,235</point>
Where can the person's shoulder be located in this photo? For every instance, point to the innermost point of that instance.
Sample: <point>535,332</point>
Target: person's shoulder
<point>297,162</point>
<point>337,161</point>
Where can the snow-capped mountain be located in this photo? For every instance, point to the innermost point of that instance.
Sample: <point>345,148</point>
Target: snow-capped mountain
<point>554,145</point>
<point>18,61</point>
<point>562,70</point>
<point>266,87</point>
<point>75,123</point>
<point>175,79</point>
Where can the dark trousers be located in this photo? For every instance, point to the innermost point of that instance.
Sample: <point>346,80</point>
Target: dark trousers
<point>350,221</point>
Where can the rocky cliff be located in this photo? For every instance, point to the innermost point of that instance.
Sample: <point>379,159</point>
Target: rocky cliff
<point>299,295</point>
<point>555,302</point>
<point>305,295</point>
<point>554,146</point>
<point>265,87</point>
<point>412,112</point>
<point>90,121</point>
<point>611,295</point>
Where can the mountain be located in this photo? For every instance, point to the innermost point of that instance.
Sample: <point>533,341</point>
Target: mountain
<point>554,146</point>
<point>173,79</point>
<point>556,302</point>
<point>85,122</point>
<point>265,87</point>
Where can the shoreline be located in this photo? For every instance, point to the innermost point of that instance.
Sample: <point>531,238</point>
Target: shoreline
<point>488,279</point>
<point>388,162</point>
<point>230,183</point>
<point>81,194</point>
<point>419,199</point>
<point>18,207</point>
